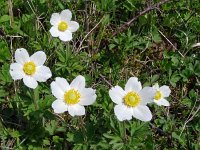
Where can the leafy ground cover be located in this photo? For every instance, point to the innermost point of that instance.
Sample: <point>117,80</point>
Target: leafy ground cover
<point>156,47</point>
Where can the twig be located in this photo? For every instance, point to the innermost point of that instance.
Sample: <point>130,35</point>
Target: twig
<point>190,118</point>
<point>167,40</point>
<point>196,45</point>
<point>10,5</point>
<point>14,36</point>
<point>88,34</point>
<point>61,118</point>
<point>12,52</point>
<point>127,24</point>
<point>170,43</point>
<point>105,80</point>
<point>38,18</point>
<point>4,147</point>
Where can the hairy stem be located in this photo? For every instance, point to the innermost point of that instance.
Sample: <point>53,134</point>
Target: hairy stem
<point>36,98</point>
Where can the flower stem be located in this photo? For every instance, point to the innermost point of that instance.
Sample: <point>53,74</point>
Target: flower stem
<point>36,98</point>
<point>124,130</point>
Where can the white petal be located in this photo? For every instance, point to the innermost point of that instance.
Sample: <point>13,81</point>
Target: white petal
<point>142,113</point>
<point>21,56</point>
<point>162,102</point>
<point>88,96</point>
<point>66,15</point>
<point>123,112</point>
<point>165,90</point>
<point>30,82</point>
<point>55,19</point>
<point>59,106</point>
<point>147,95</point>
<point>38,58</point>
<point>73,26</point>
<point>42,74</point>
<point>59,87</point>
<point>117,94</point>
<point>62,83</point>
<point>16,71</point>
<point>76,110</point>
<point>78,83</point>
<point>65,36</point>
<point>54,31</point>
<point>57,91</point>
<point>133,85</point>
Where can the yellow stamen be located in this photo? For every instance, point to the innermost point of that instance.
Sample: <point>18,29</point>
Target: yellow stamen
<point>29,68</point>
<point>158,95</point>
<point>132,99</point>
<point>72,97</point>
<point>62,26</point>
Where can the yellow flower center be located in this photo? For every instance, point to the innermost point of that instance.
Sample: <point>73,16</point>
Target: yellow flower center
<point>62,26</point>
<point>29,68</point>
<point>158,95</point>
<point>132,99</point>
<point>72,97</point>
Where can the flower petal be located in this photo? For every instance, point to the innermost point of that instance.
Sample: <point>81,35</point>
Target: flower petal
<point>162,102</point>
<point>73,26</point>
<point>66,15</point>
<point>55,19</point>
<point>59,106</point>
<point>88,96</point>
<point>147,95</point>
<point>78,83</point>
<point>76,110</point>
<point>21,56</point>
<point>38,58</point>
<point>123,112</point>
<point>42,74</point>
<point>59,87</point>
<point>54,31</point>
<point>133,85</point>
<point>117,94</point>
<point>57,91</point>
<point>16,71</point>
<point>62,83</point>
<point>165,90</point>
<point>65,36</point>
<point>142,113</point>
<point>30,82</point>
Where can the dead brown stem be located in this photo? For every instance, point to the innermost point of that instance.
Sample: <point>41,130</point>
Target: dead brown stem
<point>128,24</point>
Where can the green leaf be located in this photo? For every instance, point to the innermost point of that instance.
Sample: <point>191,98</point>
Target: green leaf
<point>174,135</point>
<point>4,18</point>
<point>5,75</point>
<point>174,79</point>
<point>15,134</point>
<point>156,35</point>
<point>46,142</point>
<point>154,78</point>
<point>4,51</point>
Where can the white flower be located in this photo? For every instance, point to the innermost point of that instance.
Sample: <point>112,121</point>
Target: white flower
<point>30,69</point>
<point>62,26</point>
<point>132,101</point>
<point>73,97</point>
<point>161,94</point>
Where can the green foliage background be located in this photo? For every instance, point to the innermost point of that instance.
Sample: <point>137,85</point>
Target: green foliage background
<point>143,50</point>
